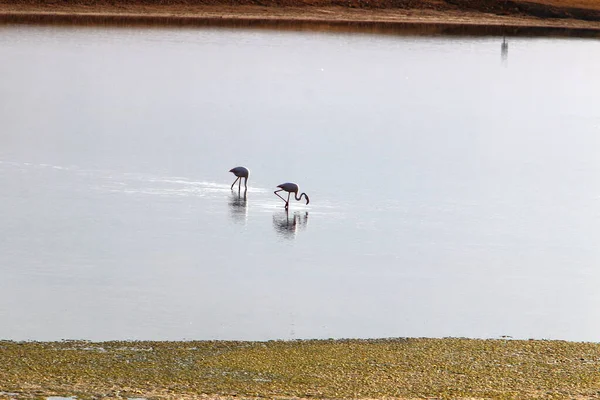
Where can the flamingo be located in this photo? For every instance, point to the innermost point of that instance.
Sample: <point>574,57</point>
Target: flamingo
<point>290,188</point>
<point>240,172</point>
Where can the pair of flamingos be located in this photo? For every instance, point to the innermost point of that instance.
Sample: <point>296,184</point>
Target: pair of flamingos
<point>289,187</point>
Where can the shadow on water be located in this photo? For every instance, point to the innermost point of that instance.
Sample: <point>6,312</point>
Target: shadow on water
<point>287,226</point>
<point>238,206</point>
<point>338,26</point>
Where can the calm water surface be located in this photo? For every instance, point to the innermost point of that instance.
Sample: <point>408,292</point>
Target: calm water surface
<point>454,189</point>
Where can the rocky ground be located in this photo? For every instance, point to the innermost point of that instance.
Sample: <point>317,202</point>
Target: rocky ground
<point>324,369</point>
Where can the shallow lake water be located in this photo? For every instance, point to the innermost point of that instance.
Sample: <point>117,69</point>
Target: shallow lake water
<point>454,185</point>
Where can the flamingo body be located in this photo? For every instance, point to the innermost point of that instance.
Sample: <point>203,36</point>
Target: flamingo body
<point>240,172</point>
<point>289,187</point>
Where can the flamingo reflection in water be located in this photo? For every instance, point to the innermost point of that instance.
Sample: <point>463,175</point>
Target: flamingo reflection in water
<point>504,50</point>
<point>238,206</point>
<point>287,226</point>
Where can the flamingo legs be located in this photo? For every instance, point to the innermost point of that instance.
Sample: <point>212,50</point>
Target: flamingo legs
<point>239,178</point>
<point>240,192</point>
<point>233,184</point>
<point>287,202</point>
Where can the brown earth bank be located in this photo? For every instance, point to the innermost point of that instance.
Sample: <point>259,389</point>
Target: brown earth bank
<point>561,17</point>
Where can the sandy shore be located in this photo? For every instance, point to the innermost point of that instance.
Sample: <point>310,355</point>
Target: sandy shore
<point>445,19</point>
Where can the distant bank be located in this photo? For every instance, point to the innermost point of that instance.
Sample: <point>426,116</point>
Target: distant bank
<point>493,17</point>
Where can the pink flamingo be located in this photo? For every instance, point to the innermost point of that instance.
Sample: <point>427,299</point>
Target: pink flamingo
<point>240,172</point>
<point>290,188</point>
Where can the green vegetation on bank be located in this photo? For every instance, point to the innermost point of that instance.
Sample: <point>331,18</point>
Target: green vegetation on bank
<point>399,368</point>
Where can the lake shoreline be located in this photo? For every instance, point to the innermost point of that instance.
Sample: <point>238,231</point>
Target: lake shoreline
<point>399,368</point>
<point>316,18</point>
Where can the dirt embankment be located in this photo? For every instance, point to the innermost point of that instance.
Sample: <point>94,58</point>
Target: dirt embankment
<point>540,9</point>
<point>588,10</point>
<point>579,17</point>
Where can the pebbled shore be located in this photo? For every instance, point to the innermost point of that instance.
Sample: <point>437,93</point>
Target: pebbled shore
<point>323,369</point>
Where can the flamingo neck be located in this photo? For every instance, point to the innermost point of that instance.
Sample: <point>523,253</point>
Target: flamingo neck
<point>298,198</point>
